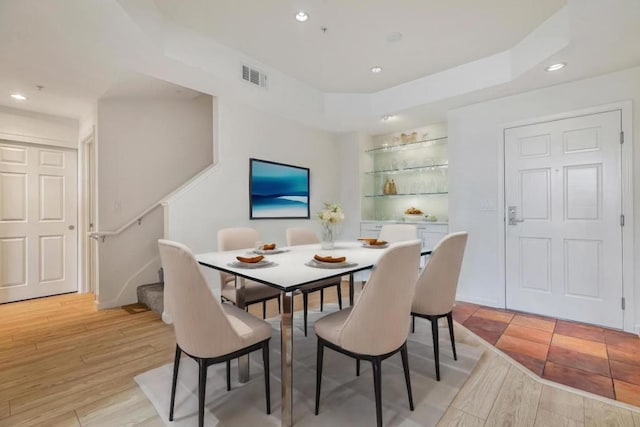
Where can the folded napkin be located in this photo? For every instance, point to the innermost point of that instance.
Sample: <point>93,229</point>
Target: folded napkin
<point>378,243</point>
<point>368,240</point>
<point>329,258</point>
<point>250,260</point>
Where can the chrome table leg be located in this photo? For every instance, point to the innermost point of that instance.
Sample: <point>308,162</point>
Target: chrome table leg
<point>286,339</point>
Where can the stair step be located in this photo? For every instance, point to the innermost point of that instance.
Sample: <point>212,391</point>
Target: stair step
<point>152,295</point>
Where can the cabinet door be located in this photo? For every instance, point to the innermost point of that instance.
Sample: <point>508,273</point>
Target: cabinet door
<point>370,230</point>
<point>431,234</point>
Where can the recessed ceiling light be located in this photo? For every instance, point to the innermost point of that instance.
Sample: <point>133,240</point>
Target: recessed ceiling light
<point>376,70</point>
<point>302,16</point>
<point>18,96</point>
<point>394,37</point>
<point>556,67</point>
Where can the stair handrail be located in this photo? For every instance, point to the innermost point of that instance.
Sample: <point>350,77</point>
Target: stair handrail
<point>138,218</point>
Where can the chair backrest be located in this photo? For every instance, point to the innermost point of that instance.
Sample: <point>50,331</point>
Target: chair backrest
<point>437,285</point>
<point>202,329</point>
<point>398,232</point>
<point>230,239</point>
<point>379,320</point>
<point>301,236</point>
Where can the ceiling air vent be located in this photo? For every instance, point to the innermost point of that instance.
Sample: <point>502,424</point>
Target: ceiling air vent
<point>254,76</point>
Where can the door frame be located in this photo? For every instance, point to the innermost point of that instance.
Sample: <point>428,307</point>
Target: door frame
<point>86,206</point>
<point>630,323</point>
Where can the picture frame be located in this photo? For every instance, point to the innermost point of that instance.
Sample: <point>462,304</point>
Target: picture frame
<point>278,190</point>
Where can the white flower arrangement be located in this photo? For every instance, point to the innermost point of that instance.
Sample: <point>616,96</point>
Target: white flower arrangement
<point>331,214</point>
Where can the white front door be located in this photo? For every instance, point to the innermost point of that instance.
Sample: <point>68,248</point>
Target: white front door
<point>563,181</point>
<point>38,221</point>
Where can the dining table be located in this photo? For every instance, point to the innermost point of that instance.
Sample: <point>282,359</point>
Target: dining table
<point>288,269</point>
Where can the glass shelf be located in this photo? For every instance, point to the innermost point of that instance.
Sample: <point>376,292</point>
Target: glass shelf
<point>408,170</point>
<point>407,146</point>
<point>407,194</point>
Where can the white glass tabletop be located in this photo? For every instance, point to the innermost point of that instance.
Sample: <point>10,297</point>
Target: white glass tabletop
<point>289,270</point>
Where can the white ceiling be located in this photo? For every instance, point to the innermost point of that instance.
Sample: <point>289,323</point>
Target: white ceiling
<point>436,35</point>
<point>453,53</point>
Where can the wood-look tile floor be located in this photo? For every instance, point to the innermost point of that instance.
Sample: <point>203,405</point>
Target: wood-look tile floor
<point>62,363</point>
<point>590,358</point>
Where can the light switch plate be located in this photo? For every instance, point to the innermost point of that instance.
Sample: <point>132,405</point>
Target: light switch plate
<point>487,205</point>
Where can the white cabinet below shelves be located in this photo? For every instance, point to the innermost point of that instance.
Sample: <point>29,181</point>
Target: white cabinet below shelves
<point>429,233</point>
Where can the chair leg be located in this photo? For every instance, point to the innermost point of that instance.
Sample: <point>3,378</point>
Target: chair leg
<point>267,381</point>
<point>202,388</point>
<point>351,292</point>
<point>339,290</point>
<point>377,385</point>
<point>357,367</point>
<point>279,306</point>
<point>321,299</point>
<point>407,378</point>
<point>453,340</point>
<point>436,349</point>
<point>228,375</point>
<point>264,310</point>
<point>413,324</point>
<point>176,367</point>
<point>319,373</point>
<point>305,308</point>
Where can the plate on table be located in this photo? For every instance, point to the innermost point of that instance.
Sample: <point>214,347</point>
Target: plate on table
<point>260,264</point>
<point>319,264</point>
<point>270,251</point>
<point>379,245</point>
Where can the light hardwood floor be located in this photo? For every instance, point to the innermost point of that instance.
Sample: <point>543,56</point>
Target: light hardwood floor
<point>65,364</point>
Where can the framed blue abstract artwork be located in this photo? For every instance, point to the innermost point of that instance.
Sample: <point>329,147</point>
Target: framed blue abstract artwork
<point>277,190</point>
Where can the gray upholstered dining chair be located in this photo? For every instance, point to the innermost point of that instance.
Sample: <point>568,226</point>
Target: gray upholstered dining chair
<point>306,236</point>
<point>230,239</point>
<point>435,293</point>
<point>361,332</point>
<point>206,330</point>
<point>398,232</point>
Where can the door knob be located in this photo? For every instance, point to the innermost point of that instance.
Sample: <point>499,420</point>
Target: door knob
<point>513,216</point>
<point>72,227</point>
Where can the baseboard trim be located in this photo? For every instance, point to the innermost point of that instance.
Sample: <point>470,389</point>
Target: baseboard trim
<point>103,305</point>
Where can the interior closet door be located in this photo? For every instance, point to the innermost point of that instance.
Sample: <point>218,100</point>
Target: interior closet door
<point>38,218</point>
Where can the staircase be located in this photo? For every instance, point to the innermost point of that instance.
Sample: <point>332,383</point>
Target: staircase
<point>152,295</point>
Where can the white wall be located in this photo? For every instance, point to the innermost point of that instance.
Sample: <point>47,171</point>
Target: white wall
<point>351,146</point>
<point>221,198</point>
<point>36,128</point>
<point>146,149</point>
<point>474,141</point>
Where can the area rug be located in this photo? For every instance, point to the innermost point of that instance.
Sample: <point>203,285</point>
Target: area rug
<point>345,399</point>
